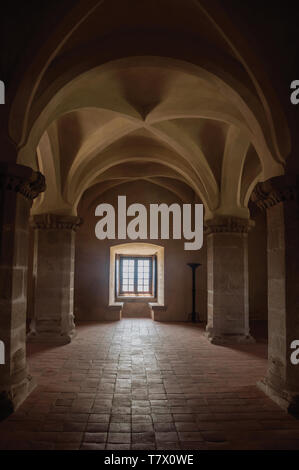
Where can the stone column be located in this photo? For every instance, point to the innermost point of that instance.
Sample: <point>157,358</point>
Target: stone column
<point>227,270</point>
<point>279,197</point>
<point>53,274</point>
<point>19,185</point>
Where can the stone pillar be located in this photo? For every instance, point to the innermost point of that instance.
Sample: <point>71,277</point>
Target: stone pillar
<point>279,197</point>
<point>227,270</point>
<point>53,274</point>
<point>19,185</point>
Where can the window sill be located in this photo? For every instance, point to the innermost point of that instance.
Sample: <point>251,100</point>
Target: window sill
<point>135,299</point>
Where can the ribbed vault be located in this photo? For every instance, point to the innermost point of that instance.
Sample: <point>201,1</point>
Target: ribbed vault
<point>190,115</point>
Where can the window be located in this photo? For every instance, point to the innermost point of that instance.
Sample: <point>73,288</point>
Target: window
<point>136,276</point>
<point>137,250</point>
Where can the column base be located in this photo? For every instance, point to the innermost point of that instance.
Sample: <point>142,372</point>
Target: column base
<point>51,338</point>
<point>12,396</point>
<point>287,400</point>
<point>222,338</point>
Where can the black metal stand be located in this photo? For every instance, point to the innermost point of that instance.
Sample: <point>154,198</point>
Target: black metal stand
<point>194,315</point>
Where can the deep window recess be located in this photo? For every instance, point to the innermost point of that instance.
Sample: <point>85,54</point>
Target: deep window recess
<point>136,276</point>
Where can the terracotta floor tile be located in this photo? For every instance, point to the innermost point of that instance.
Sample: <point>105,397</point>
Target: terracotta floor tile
<point>168,446</point>
<point>120,427</point>
<point>143,437</point>
<point>97,427</point>
<point>95,437</point>
<point>143,446</point>
<point>181,426</point>
<point>116,446</point>
<point>142,427</point>
<point>190,436</point>
<point>73,426</point>
<point>118,438</point>
<point>168,436</point>
<point>92,446</point>
<point>143,385</point>
<point>164,427</point>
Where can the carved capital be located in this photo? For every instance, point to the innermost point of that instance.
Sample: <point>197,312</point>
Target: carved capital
<point>21,179</point>
<point>272,192</point>
<point>225,224</point>
<point>56,221</point>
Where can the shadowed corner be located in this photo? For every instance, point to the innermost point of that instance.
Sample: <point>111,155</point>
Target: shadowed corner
<point>6,405</point>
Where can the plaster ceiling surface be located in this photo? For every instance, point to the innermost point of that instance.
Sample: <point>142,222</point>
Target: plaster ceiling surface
<point>183,126</point>
<point>102,112</point>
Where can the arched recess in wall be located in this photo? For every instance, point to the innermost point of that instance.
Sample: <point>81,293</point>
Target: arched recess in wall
<point>133,249</point>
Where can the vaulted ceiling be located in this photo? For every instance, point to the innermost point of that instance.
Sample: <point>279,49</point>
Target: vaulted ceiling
<point>150,90</point>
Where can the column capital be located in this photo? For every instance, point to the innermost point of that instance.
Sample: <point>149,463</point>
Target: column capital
<point>273,191</point>
<point>226,224</point>
<point>21,179</point>
<point>56,221</point>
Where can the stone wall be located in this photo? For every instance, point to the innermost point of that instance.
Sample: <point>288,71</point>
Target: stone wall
<point>19,185</point>
<point>92,259</point>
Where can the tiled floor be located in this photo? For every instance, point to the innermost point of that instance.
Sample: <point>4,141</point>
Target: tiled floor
<point>138,384</point>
